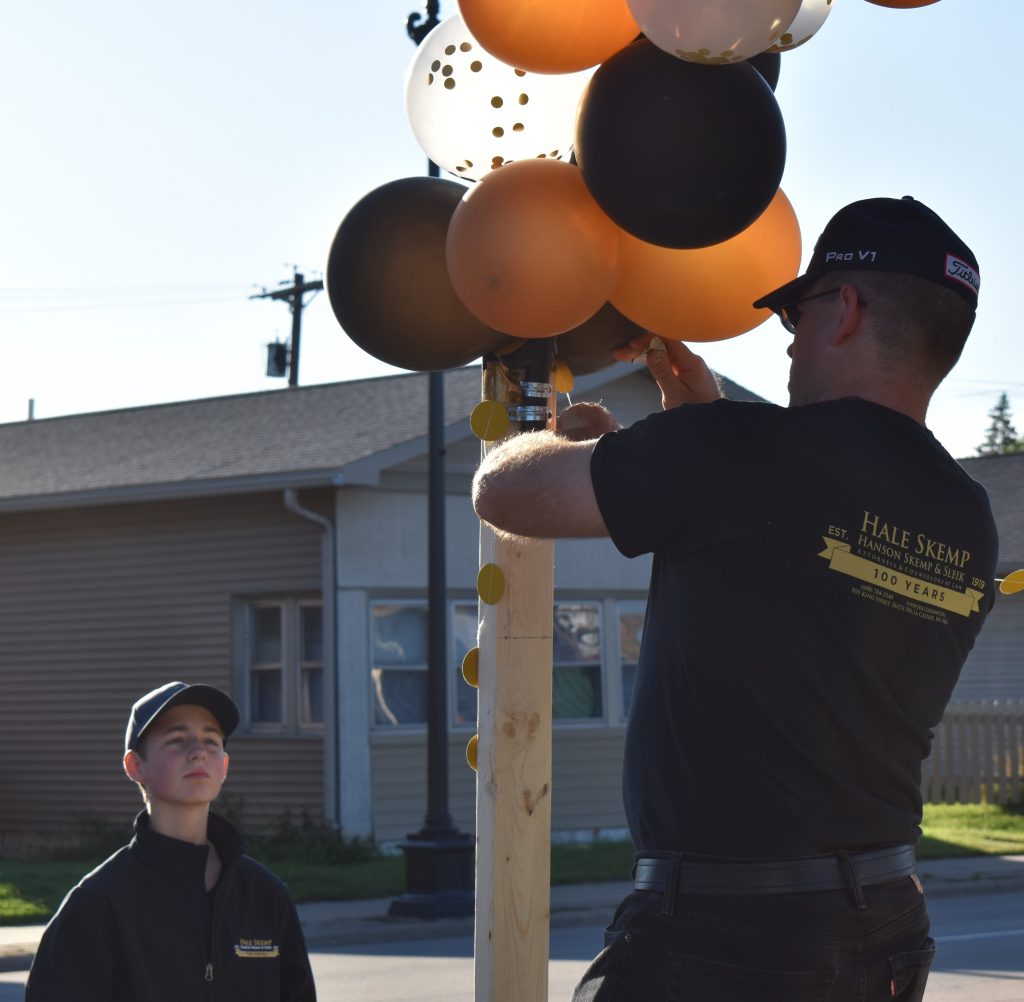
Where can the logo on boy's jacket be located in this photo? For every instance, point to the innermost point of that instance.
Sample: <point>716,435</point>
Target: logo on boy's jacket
<point>256,948</point>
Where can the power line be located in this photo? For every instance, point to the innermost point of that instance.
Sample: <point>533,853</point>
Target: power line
<point>43,300</point>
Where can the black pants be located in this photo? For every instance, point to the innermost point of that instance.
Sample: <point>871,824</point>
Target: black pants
<point>803,947</point>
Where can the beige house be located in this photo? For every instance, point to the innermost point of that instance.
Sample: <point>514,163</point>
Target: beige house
<point>274,544</point>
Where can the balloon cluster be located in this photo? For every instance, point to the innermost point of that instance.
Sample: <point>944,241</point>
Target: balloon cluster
<point>626,155</point>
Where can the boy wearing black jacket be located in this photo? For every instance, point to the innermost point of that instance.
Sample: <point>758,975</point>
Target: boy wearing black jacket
<point>180,912</point>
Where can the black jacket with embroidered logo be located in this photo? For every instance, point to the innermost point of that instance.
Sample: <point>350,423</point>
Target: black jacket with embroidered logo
<point>140,928</point>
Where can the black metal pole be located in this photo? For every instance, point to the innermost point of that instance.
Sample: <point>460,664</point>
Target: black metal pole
<point>438,858</point>
<point>438,818</point>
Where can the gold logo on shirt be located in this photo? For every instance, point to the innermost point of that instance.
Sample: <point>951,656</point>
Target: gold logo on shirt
<point>256,948</point>
<point>841,559</point>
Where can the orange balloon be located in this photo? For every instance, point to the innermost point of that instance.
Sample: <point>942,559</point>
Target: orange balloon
<point>902,4</point>
<point>550,36</point>
<point>705,294</point>
<point>529,249</point>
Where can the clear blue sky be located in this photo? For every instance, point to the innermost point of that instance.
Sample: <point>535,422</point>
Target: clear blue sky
<point>162,164</point>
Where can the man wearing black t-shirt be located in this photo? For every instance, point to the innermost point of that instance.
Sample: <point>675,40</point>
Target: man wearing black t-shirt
<point>820,574</point>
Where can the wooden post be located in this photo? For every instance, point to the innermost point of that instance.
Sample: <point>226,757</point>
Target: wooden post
<point>513,813</point>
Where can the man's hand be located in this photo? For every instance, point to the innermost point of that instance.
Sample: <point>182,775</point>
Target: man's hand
<point>584,421</point>
<point>683,377</point>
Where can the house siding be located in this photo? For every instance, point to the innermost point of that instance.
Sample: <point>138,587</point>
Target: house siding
<point>97,606</point>
<point>994,669</point>
<point>585,787</point>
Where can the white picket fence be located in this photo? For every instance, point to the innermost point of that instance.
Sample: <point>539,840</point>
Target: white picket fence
<point>977,755</point>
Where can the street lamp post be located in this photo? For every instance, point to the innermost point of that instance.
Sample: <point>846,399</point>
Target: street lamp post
<point>438,858</point>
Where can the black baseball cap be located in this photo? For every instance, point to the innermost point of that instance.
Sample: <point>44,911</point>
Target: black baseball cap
<point>887,234</point>
<point>147,708</point>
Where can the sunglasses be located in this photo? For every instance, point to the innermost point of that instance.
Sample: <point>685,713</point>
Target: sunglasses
<point>791,312</point>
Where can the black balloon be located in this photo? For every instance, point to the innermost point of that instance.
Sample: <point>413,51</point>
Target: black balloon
<point>588,348</point>
<point>679,154</point>
<point>769,65</point>
<point>388,283</point>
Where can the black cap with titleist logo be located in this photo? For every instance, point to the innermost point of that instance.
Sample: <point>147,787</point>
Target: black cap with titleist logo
<point>887,234</point>
<point>147,708</point>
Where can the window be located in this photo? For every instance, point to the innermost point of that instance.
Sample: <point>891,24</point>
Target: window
<point>284,665</point>
<point>399,668</point>
<point>399,662</point>
<point>631,625</point>
<point>576,660</point>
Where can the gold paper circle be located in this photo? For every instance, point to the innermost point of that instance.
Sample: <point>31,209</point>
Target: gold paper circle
<point>489,420</point>
<point>471,667</point>
<point>471,751</point>
<point>490,584</point>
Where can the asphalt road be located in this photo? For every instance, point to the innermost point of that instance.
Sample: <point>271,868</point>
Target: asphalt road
<point>980,959</point>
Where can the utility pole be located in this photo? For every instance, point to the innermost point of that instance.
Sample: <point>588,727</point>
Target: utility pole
<point>294,295</point>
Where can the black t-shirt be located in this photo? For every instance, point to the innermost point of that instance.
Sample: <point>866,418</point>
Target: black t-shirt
<point>820,574</point>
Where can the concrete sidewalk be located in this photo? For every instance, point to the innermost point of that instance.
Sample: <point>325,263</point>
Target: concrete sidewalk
<point>343,923</point>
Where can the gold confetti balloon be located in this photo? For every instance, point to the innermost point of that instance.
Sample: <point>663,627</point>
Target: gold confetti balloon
<point>806,24</point>
<point>472,113</point>
<point>726,31</point>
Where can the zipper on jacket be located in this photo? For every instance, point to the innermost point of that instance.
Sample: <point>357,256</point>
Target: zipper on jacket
<point>208,976</point>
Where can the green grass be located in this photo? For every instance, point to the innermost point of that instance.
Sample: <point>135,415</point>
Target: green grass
<point>31,890</point>
<point>971,830</point>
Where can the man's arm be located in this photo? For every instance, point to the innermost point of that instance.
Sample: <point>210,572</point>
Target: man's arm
<point>538,483</point>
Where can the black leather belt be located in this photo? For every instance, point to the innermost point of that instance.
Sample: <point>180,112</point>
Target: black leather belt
<point>667,871</point>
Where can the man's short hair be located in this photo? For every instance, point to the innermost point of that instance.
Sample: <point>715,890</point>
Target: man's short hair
<point>918,323</point>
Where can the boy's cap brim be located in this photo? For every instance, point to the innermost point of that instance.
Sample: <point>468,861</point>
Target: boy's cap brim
<point>889,235</point>
<point>149,707</point>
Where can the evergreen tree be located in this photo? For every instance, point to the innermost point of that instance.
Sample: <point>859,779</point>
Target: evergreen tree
<point>1001,437</point>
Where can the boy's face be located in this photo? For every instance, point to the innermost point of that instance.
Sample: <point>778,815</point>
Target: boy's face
<point>185,762</point>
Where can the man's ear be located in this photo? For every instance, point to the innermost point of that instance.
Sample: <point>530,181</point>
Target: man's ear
<point>226,761</point>
<point>133,766</point>
<point>851,315</point>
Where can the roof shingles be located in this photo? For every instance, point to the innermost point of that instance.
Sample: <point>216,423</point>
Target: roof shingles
<point>314,428</point>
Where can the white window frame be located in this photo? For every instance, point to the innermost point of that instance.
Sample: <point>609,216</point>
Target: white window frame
<point>291,664</point>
